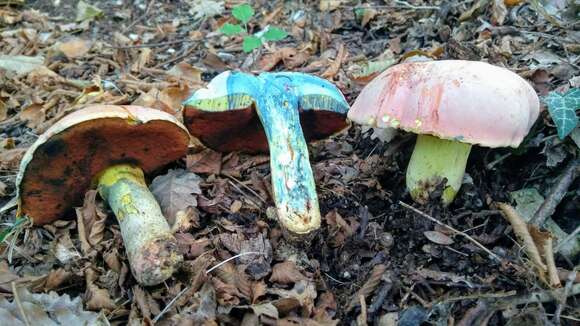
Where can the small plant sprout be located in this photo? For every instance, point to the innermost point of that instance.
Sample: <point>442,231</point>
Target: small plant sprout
<point>243,13</point>
<point>108,147</point>
<point>450,105</point>
<point>276,113</point>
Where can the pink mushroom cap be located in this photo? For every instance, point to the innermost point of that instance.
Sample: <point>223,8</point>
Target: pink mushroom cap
<point>467,101</point>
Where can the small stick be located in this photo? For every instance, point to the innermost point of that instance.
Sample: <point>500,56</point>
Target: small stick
<point>150,45</point>
<point>467,236</point>
<point>571,236</point>
<point>19,304</point>
<point>557,193</point>
<point>543,296</point>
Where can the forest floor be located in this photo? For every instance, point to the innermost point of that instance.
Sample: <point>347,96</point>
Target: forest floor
<point>376,260</point>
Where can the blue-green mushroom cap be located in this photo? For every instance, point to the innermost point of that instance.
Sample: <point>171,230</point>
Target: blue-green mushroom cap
<point>223,115</point>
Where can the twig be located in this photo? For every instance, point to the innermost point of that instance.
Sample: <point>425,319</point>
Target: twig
<point>19,303</point>
<point>147,10</point>
<point>570,237</point>
<point>542,296</point>
<point>247,188</point>
<point>467,236</point>
<point>548,252</point>
<point>149,45</point>
<point>380,298</point>
<point>369,286</point>
<point>232,258</point>
<point>168,306</point>
<point>557,193</point>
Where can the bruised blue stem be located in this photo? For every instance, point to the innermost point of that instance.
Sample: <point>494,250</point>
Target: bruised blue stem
<point>292,178</point>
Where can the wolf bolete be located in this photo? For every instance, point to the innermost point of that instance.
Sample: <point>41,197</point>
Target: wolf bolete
<point>110,147</point>
<point>275,112</point>
<point>450,105</point>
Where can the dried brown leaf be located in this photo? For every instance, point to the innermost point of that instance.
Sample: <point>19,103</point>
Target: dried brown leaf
<point>75,48</point>
<point>186,72</point>
<point>301,295</point>
<point>91,222</point>
<point>176,191</point>
<point>339,229</point>
<point>523,233</point>
<point>206,161</point>
<point>438,238</point>
<point>286,272</point>
<point>47,309</point>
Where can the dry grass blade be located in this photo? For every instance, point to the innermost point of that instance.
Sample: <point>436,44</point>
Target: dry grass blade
<point>369,286</point>
<point>522,232</point>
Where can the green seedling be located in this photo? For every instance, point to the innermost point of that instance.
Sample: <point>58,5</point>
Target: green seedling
<point>243,13</point>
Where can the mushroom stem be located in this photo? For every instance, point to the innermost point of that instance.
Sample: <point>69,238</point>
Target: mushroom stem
<point>149,242</point>
<point>292,179</point>
<point>433,160</point>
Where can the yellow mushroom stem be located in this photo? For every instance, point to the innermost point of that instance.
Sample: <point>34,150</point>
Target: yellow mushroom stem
<point>433,160</point>
<point>150,245</point>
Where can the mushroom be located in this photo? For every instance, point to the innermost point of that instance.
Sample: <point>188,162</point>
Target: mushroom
<point>275,112</point>
<point>450,105</point>
<point>110,147</point>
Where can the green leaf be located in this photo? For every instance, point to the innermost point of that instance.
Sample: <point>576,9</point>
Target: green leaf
<point>231,29</point>
<point>251,43</point>
<point>87,11</point>
<point>274,34</point>
<point>562,108</point>
<point>243,12</point>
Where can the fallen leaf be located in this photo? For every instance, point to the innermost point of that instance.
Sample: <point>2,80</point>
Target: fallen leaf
<point>207,161</point>
<point>339,229</point>
<point>95,297</point>
<point>20,64</point>
<point>47,309</point>
<point>498,12</point>
<point>142,60</point>
<point>202,310</point>
<point>65,251</point>
<point>10,159</point>
<point>267,309</point>
<point>286,273</point>
<point>200,9</point>
<point>187,72</point>
<point>75,48</point>
<point>91,222</point>
<point>34,115</point>
<point>329,5</point>
<point>365,71</point>
<point>337,63</point>
<point>438,238</point>
<point>87,12</point>
<point>176,191</point>
<point>301,295</point>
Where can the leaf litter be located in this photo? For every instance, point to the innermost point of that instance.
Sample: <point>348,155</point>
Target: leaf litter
<point>374,260</point>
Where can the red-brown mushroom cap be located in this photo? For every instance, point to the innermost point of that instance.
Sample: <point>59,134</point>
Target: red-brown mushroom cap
<point>467,101</point>
<point>62,164</point>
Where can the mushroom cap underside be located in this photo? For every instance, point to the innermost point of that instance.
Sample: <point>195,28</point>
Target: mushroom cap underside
<point>62,164</point>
